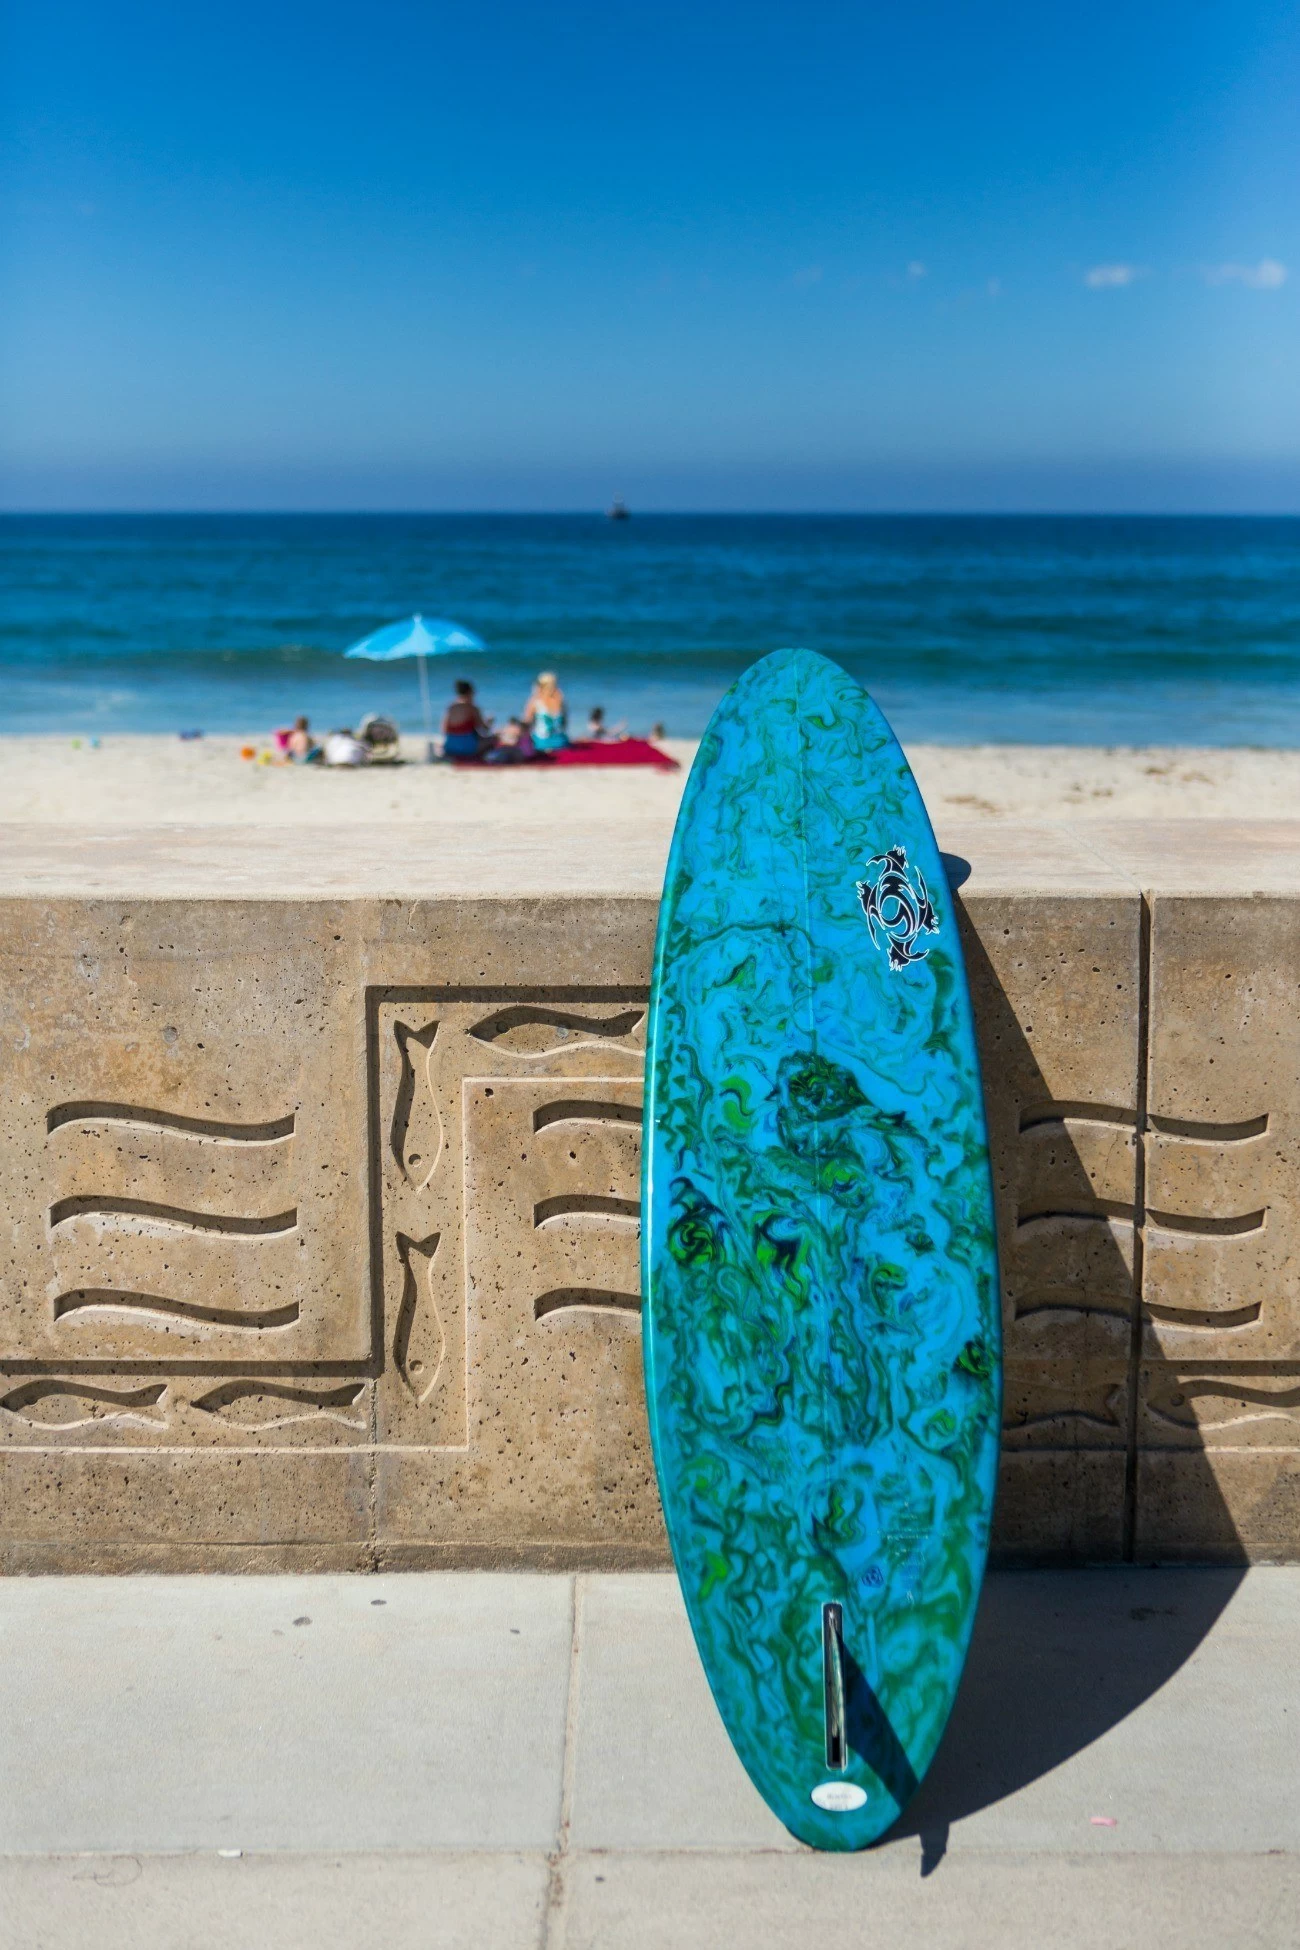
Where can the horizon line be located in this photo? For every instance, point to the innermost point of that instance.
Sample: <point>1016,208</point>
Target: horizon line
<point>661,514</point>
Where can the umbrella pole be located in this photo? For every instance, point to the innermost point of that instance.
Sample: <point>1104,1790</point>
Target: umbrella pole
<point>429,753</point>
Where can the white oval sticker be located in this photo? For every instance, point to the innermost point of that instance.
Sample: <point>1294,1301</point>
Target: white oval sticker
<point>839,1797</point>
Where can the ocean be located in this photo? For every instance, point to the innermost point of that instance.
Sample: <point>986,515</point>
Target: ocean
<point>1092,630</point>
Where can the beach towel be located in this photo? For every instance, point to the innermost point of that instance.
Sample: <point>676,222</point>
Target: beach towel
<point>586,751</point>
<point>617,751</point>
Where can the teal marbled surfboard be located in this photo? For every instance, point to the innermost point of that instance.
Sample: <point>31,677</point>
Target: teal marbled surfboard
<point>822,1332</point>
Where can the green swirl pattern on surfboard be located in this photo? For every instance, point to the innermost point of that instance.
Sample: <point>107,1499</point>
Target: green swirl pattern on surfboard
<point>822,1338</point>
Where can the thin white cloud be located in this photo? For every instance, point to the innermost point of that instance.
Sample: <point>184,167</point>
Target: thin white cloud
<point>810,274</point>
<point>994,287</point>
<point>1110,277</point>
<point>1267,275</point>
<point>916,269</point>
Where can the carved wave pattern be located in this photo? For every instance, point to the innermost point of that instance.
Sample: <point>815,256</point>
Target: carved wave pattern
<point>213,1129</point>
<point>1087,1210</point>
<point>610,1213</point>
<point>120,1219</point>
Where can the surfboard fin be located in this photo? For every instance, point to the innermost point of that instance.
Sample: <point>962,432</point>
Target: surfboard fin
<point>837,1756</point>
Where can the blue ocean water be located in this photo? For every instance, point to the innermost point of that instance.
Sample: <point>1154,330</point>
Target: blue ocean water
<point>1063,629</point>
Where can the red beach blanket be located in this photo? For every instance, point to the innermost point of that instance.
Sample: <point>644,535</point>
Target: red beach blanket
<point>620,751</point>
<point>587,751</point>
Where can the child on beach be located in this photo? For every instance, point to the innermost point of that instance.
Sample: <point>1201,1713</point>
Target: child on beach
<point>300,745</point>
<point>599,733</point>
<point>513,745</point>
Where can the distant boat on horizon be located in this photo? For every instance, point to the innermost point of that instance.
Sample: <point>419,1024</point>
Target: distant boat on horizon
<point>618,511</point>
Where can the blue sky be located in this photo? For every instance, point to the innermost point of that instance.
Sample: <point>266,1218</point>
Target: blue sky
<point>414,255</point>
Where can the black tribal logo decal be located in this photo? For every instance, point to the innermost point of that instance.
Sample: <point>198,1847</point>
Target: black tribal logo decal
<point>898,907</point>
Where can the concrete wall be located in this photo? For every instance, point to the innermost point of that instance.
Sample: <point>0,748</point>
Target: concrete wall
<point>319,1166</point>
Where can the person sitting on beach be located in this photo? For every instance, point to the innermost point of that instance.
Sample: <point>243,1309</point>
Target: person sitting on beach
<point>513,745</point>
<point>380,736</point>
<point>300,745</point>
<point>342,748</point>
<point>545,715</point>
<point>599,733</point>
<point>465,731</point>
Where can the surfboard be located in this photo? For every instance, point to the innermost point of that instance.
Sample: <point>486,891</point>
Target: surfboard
<point>821,1301</point>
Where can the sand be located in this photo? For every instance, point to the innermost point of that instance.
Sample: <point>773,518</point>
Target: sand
<point>146,780</point>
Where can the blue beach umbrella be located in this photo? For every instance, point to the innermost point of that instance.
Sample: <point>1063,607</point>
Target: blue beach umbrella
<point>422,637</point>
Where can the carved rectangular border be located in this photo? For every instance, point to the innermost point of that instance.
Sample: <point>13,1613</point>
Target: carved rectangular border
<point>434,1422</point>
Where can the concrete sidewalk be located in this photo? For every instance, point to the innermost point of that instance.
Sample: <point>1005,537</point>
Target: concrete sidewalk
<point>460,1760</point>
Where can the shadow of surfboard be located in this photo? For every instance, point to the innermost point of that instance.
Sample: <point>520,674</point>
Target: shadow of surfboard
<point>1060,1656</point>
<point>870,1734</point>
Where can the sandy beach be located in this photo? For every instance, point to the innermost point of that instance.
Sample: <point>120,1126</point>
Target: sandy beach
<point>148,780</point>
